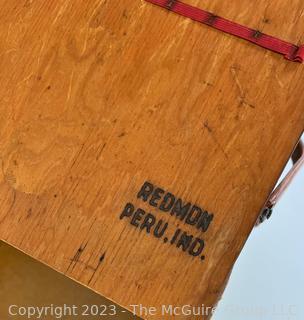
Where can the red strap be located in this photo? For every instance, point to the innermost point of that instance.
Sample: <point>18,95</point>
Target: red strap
<point>288,50</point>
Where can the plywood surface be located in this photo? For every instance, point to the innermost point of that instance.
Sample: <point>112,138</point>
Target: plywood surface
<point>98,97</point>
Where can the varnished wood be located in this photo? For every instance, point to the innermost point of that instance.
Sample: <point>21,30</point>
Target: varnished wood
<point>98,97</point>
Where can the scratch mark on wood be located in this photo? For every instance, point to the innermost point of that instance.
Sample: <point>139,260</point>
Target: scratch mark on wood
<point>76,257</point>
<point>100,151</point>
<point>70,87</point>
<point>209,129</point>
<point>242,94</point>
<point>101,259</point>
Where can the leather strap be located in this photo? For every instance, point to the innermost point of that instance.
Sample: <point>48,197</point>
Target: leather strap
<point>290,51</point>
<point>298,162</point>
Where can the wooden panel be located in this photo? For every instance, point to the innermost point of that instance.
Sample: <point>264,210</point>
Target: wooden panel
<point>98,97</point>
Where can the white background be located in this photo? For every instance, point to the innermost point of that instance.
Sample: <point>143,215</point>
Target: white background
<point>268,278</point>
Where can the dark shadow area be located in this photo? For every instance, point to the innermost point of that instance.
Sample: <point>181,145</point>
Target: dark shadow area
<point>26,284</point>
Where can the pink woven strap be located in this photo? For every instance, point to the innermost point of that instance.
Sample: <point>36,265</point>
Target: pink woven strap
<point>290,51</point>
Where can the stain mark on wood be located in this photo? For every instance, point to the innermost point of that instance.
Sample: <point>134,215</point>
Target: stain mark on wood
<point>29,213</point>
<point>121,135</point>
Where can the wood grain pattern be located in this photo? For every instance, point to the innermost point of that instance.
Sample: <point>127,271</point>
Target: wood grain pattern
<point>99,96</point>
